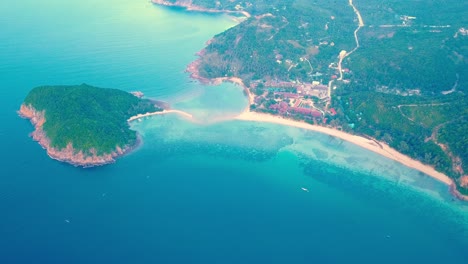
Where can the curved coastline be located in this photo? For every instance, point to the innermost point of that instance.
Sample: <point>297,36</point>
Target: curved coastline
<point>369,144</point>
<point>69,154</point>
<point>373,145</point>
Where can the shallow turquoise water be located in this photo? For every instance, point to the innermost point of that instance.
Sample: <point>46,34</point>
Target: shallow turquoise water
<point>207,192</point>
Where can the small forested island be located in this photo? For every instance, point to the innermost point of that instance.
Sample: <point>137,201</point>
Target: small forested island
<point>392,71</point>
<point>84,125</point>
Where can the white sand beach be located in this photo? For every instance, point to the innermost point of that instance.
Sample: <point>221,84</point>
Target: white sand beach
<point>164,112</point>
<point>377,147</point>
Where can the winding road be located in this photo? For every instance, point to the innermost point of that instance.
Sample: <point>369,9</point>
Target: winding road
<point>343,53</point>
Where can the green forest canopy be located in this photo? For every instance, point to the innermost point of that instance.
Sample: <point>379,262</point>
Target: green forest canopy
<point>88,117</point>
<point>405,47</point>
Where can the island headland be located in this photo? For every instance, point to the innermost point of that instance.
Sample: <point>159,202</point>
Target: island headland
<point>291,77</point>
<point>83,125</point>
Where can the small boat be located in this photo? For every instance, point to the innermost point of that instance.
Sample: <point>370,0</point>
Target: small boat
<point>305,189</point>
<point>67,221</point>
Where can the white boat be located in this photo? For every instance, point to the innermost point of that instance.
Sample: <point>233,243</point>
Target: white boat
<point>305,189</point>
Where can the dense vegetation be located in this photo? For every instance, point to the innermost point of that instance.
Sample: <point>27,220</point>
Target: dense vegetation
<point>87,116</point>
<point>414,129</point>
<point>404,45</point>
<point>280,40</point>
<point>406,84</point>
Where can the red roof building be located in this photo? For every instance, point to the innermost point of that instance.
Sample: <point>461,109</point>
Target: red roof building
<point>305,111</point>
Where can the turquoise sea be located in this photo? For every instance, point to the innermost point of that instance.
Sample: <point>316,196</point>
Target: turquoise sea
<point>213,191</point>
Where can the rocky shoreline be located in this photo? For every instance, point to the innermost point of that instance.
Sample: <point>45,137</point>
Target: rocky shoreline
<point>457,194</point>
<point>463,184</point>
<point>193,70</point>
<point>189,6</point>
<point>68,154</point>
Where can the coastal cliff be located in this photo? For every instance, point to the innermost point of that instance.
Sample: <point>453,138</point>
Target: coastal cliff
<point>190,6</point>
<point>67,154</point>
<point>84,125</point>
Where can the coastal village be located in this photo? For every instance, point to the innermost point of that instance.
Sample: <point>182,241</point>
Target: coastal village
<point>310,102</point>
<point>326,94</point>
<point>307,101</point>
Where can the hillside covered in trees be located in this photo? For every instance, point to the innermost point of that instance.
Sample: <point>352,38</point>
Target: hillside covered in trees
<point>87,117</point>
<point>399,75</point>
<point>404,45</point>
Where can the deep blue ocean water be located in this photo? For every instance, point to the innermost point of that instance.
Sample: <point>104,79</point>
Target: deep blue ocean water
<point>205,192</point>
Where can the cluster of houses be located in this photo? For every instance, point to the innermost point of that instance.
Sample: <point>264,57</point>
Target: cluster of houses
<point>315,89</point>
<point>306,100</point>
<point>303,100</point>
<point>399,91</point>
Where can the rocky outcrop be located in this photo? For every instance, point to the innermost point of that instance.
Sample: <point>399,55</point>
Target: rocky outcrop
<point>456,193</point>
<point>67,154</point>
<point>180,3</point>
<point>464,184</point>
<point>138,94</point>
<point>188,4</point>
<point>193,70</point>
